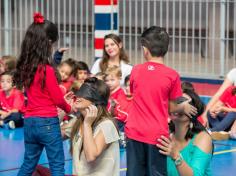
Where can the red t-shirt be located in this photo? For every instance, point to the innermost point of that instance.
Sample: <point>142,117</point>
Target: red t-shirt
<point>228,98</point>
<point>14,101</point>
<point>122,104</point>
<point>65,86</point>
<point>44,103</point>
<point>152,86</point>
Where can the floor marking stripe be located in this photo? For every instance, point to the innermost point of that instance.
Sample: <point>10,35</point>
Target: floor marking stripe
<point>225,151</point>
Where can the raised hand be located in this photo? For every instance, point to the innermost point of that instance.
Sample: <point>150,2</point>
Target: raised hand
<point>62,50</point>
<point>189,110</point>
<point>69,98</point>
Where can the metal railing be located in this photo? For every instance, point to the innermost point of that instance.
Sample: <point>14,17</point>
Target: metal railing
<point>202,33</point>
<point>74,19</point>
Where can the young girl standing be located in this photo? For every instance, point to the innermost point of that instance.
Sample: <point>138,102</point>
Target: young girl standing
<point>35,73</point>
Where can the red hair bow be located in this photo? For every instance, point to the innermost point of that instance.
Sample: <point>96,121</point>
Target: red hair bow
<point>38,18</point>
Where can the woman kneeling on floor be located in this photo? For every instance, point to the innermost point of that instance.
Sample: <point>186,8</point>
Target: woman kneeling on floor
<point>189,148</point>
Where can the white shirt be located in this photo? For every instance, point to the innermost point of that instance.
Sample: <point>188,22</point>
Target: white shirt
<point>107,163</point>
<point>125,69</point>
<point>232,76</point>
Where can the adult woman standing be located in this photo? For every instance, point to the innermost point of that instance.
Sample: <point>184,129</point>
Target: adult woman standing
<point>113,54</point>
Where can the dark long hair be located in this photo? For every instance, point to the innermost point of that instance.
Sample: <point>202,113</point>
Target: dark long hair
<point>197,126</point>
<point>36,50</point>
<point>123,56</point>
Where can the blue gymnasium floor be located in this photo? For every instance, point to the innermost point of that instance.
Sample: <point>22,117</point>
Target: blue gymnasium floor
<point>12,152</point>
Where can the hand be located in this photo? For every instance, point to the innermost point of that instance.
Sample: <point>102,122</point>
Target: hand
<point>4,115</point>
<point>168,147</point>
<point>62,50</point>
<point>189,110</point>
<point>61,114</point>
<point>91,114</point>
<point>69,98</point>
<point>213,112</point>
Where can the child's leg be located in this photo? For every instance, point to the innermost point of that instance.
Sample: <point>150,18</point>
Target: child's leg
<point>136,160</point>
<point>233,127</point>
<point>16,118</point>
<point>33,148</point>
<point>226,122</point>
<point>232,132</point>
<point>156,162</point>
<point>52,141</point>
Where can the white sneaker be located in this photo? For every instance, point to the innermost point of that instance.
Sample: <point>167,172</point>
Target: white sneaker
<point>232,135</point>
<point>12,125</point>
<point>1,123</point>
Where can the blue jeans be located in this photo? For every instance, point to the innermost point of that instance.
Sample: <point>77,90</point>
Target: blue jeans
<point>40,133</point>
<point>222,121</point>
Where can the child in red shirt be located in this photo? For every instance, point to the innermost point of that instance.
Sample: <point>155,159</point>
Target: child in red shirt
<point>11,102</point>
<point>67,70</point>
<point>223,114</point>
<point>155,87</point>
<point>81,73</point>
<point>118,104</point>
<point>34,72</point>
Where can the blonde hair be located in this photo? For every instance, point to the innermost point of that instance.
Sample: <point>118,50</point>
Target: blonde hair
<point>114,70</point>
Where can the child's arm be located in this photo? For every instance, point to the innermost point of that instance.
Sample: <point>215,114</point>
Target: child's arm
<point>93,147</point>
<point>3,114</point>
<point>226,109</point>
<point>216,108</point>
<point>183,107</point>
<point>57,57</point>
<point>227,82</point>
<point>55,91</point>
